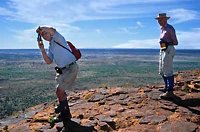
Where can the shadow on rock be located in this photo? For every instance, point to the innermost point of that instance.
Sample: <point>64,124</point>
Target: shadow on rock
<point>72,126</point>
<point>187,103</point>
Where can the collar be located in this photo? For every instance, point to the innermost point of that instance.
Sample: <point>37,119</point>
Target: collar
<point>53,37</point>
<point>162,27</point>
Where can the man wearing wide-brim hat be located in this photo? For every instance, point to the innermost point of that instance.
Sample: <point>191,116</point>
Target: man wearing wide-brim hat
<point>66,69</point>
<point>162,15</point>
<point>167,42</point>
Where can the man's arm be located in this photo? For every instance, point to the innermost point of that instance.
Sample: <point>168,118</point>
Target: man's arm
<point>173,36</point>
<point>44,54</point>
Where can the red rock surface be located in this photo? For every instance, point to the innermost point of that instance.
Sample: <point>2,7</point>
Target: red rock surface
<point>123,109</point>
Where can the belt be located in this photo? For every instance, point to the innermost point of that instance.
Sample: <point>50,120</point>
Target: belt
<point>67,66</point>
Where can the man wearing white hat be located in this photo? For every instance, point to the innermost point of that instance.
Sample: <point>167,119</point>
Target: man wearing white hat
<point>167,51</point>
<point>66,68</point>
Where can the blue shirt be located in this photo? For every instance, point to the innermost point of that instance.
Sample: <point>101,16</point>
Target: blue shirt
<point>58,54</point>
<point>168,34</point>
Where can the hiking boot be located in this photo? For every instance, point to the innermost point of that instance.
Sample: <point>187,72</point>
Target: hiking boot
<point>58,119</point>
<point>62,107</point>
<point>61,118</point>
<point>167,95</point>
<point>57,109</point>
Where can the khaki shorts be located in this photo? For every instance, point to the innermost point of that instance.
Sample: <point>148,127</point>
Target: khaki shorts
<point>68,76</point>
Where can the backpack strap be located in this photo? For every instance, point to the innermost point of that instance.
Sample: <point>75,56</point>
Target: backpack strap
<point>63,47</point>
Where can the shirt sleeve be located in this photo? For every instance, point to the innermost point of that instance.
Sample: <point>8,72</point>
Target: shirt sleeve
<point>50,54</point>
<point>173,36</point>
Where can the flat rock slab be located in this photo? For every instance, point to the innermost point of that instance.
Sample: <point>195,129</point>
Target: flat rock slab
<point>153,119</point>
<point>177,126</point>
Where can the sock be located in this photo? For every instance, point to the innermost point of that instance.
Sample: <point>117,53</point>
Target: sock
<point>170,81</point>
<point>165,81</point>
<point>65,111</point>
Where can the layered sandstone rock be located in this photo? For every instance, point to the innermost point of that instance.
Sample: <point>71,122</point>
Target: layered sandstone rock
<point>123,109</point>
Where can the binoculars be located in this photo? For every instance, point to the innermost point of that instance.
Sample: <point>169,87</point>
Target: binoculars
<point>163,44</point>
<point>39,38</point>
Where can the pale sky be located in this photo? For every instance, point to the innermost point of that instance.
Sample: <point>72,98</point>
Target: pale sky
<point>99,23</point>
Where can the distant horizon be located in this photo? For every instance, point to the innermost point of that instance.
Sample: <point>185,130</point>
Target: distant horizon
<point>103,48</point>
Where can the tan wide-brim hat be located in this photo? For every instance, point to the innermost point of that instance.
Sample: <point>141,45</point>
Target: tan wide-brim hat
<point>162,15</point>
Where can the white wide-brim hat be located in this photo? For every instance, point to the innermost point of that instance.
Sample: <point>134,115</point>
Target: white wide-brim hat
<point>50,30</point>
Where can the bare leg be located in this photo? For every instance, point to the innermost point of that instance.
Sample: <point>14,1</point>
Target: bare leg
<point>61,95</point>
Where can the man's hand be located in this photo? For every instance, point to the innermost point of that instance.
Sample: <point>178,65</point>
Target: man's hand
<point>41,45</point>
<point>40,42</point>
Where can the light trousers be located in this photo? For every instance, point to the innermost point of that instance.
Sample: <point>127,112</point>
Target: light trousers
<point>166,61</point>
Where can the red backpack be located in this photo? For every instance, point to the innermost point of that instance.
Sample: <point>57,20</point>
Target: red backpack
<point>76,52</point>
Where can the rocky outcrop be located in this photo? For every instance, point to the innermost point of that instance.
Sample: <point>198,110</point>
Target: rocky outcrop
<point>123,109</point>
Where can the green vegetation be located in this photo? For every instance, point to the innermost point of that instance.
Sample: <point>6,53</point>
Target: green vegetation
<point>119,74</point>
<point>23,85</point>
